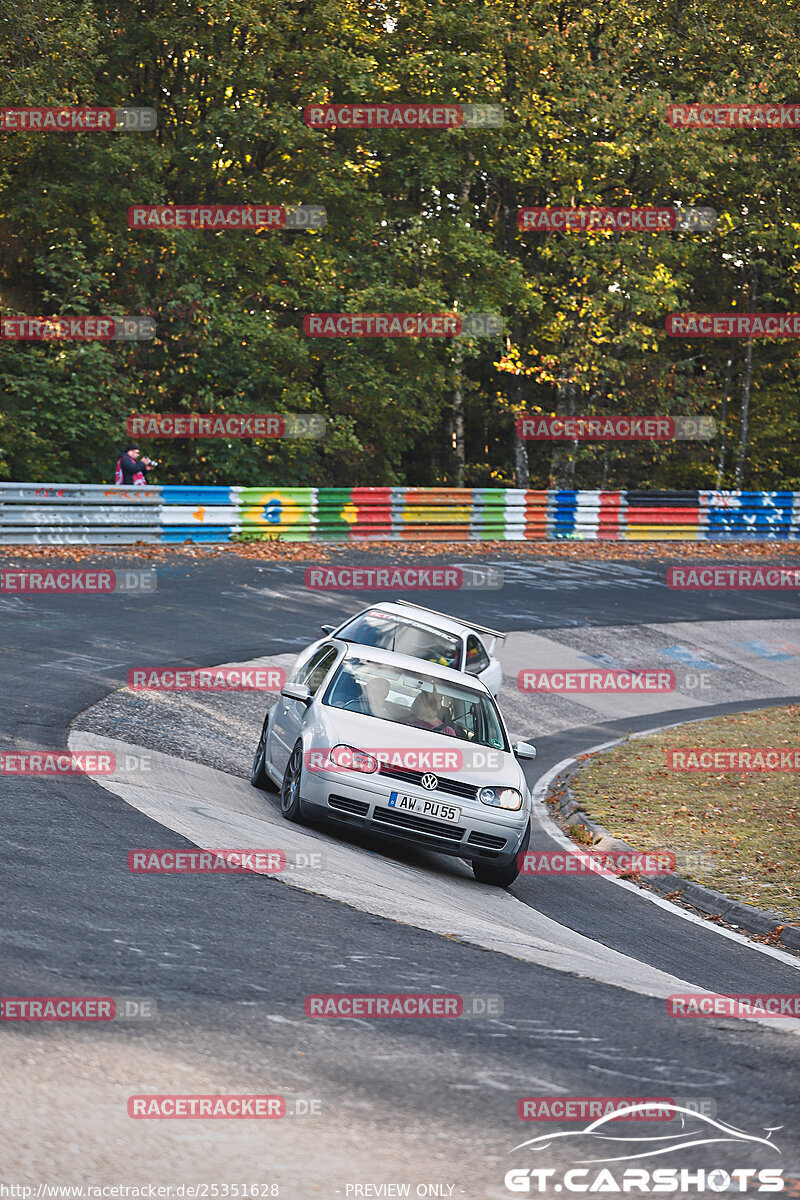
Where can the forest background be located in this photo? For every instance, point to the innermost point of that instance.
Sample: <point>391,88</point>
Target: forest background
<point>417,222</point>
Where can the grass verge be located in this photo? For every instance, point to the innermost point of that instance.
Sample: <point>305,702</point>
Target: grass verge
<point>737,832</point>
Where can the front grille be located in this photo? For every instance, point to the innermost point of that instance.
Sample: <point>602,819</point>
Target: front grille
<point>454,787</point>
<point>487,840</point>
<point>359,807</point>
<point>389,816</point>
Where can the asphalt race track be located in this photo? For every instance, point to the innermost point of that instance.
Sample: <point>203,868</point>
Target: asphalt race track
<point>581,966</point>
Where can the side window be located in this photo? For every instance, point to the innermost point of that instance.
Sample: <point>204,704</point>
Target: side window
<point>320,670</point>
<point>477,658</point>
<point>311,663</point>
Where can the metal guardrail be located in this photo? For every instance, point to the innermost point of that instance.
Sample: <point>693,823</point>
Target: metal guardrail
<point>96,514</point>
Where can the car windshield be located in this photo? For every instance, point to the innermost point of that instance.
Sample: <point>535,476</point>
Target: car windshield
<point>409,697</point>
<point>377,628</point>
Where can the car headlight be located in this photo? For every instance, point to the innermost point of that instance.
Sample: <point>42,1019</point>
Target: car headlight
<point>500,797</point>
<point>352,759</point>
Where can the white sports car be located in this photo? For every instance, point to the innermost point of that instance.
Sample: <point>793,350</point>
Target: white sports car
<point>422,633</point>
<point>412,751</point>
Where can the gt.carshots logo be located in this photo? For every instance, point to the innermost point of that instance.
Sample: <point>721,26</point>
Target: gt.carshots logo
<point>605,1147</point>
<point>208,679</point>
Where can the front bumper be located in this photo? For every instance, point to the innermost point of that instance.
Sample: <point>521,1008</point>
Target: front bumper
<point>362,802</point>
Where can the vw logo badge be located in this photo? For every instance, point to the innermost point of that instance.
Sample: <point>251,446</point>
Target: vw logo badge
<point>429,782</point>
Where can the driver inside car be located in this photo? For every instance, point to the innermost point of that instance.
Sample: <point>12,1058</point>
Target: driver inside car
<point>428,712</point>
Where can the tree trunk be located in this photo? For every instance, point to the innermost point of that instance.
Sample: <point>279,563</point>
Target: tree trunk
<point>562,463</point>
<point>459,452</point>
<point>724,421</point>
<point>522,470</point>
<point>747,376</point>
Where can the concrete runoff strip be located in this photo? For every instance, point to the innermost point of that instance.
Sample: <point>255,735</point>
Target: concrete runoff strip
<point>214,810</point>
<point>732,656</point>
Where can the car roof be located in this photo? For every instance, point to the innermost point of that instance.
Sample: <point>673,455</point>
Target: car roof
<point>422,616</point>
<point>408,662</point>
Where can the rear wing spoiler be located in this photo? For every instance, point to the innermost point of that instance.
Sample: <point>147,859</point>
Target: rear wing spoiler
<point>495,633</point>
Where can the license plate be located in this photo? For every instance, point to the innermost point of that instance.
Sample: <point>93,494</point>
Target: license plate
<point>425,808</point>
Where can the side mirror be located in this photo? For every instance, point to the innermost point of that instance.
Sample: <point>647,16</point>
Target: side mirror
<point>524,750</point>
<point>327,628</point>
<point>297,691</point>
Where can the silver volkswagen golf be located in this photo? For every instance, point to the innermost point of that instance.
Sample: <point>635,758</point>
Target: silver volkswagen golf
<point>408,750</point>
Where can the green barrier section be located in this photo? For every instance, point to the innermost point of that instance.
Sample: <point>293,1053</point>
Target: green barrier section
<point>288,512</point>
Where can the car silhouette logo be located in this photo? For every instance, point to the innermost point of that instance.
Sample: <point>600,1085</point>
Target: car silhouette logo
<point>429,782</point>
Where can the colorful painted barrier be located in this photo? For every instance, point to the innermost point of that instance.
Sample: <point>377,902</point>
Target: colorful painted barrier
<point>93,514</point>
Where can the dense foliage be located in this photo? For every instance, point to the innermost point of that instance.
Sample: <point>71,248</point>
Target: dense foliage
<point>417,221</point>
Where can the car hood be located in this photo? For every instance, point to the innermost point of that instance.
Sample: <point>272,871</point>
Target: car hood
<point>408,746</point>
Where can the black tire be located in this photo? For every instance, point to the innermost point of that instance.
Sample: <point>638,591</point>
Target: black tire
<point>291,804</point>
<point>258,775</point>
<point>502,874</point>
